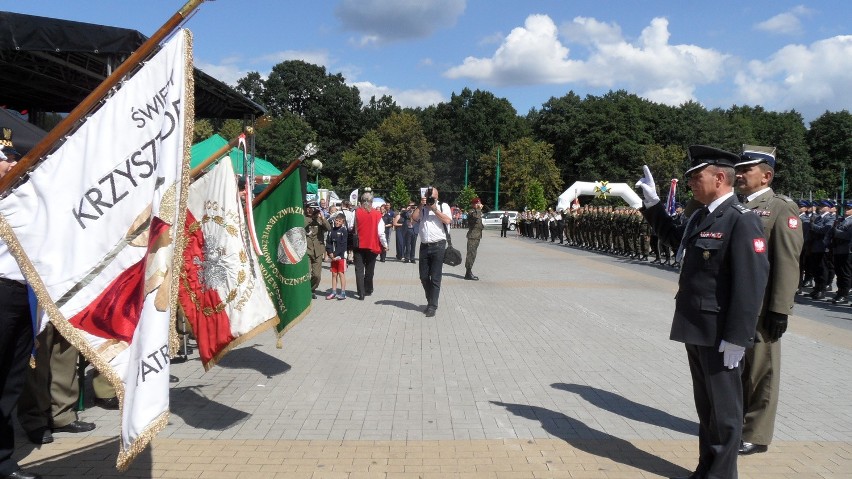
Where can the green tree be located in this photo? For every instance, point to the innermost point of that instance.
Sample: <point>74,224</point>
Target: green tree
<point>830,143</point>
<point>521,163</point>
<point>283,139</point>
<point>406,153</point>
<point>231,129</point>
<point>202,130</point>
<point>323,100</point>
<point>377,111</point>
<point>470,124</point>
<point>399,195</point>
<point>534,196</point>
<point>362,164</point>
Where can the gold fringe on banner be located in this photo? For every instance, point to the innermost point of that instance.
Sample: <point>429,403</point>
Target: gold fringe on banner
<point>279,343</point>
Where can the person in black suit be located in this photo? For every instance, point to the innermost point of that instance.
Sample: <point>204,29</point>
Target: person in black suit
<point>16,344</point>
<point>725,268</point>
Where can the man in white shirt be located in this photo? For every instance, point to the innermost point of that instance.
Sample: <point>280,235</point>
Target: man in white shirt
<point>433,215</point>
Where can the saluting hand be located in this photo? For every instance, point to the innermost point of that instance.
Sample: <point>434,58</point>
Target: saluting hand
<point>649,189</point>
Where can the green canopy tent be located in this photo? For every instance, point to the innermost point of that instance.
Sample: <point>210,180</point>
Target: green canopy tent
<point>203,149</point>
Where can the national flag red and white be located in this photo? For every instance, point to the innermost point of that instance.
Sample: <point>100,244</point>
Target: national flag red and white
<point>222,292</point>
<point>97,232</point>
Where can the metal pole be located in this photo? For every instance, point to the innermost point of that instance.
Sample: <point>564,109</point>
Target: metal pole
<point>497,183</point>
<point>465,173</point>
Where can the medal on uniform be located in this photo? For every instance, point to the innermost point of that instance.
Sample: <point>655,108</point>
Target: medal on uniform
<point>706,255</point>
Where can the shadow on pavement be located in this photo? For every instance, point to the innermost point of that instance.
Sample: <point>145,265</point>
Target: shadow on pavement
<point>595,442</point>
<point>252,358</point>
<point>629,409</point>
<point>452,275</point>
<point>400,304</point>
<point>203,413</point>
<point>93,460</point>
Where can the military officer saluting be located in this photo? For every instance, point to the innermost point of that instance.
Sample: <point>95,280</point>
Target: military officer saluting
<point>723,278</point>
<point>474,235</point>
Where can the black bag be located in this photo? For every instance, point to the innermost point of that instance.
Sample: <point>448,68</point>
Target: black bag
<point>452,256</point>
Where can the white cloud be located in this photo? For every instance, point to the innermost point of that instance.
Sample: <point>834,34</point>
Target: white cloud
<point>534,54</point>
<point>808,78</point>
<point>387,20</point>
<point>232,68</point>
<point>786,23</point>
<point>404,98</point>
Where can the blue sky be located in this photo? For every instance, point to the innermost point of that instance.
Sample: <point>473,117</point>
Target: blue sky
<point>779,54</point>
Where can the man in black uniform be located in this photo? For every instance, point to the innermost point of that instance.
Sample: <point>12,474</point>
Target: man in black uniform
<point>723,277</point>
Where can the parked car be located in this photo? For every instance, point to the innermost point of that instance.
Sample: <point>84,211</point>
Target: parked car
<point>494,219</point>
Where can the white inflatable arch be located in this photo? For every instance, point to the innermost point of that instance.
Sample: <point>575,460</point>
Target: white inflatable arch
<point>598,188</point>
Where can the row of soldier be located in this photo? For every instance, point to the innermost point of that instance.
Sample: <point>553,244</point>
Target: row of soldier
<point>614,230</point>
<point>623,231</point>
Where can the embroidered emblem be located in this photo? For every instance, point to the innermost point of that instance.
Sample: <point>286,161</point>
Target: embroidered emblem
<point>793,222</point>
<point>706,255</point>
<point>763,212</point>
<point>759,245</point>
<point>711,234</point>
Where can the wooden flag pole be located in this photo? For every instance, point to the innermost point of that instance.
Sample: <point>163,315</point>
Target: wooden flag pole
<point>212,158</point>
<point>67,124</point>
<point>309,151</point>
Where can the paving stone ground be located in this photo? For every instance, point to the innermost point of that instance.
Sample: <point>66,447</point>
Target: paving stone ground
<point>556,363</point>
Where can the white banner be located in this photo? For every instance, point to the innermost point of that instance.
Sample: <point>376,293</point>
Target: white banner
<point>100,222</point>
<point>222,291</point>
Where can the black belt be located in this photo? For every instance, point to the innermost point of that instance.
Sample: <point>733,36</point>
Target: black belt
<point>435,242</point>
<point>12,283</point>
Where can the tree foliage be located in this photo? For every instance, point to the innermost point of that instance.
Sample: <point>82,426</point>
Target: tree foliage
<point>399,195</point>
<point>830,141</point>
<point>534,198</point>
<point>522,163</point>
<point>202,130</point>
<point>283,139</point>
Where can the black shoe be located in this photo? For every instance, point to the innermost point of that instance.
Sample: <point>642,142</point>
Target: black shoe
<point>40,436</point>
<point>747,448</point>
<point>22,474</point>
<point>809,283</point>
<point>694,475</point>
<point>75,427</point>
<point>405,260</point>
<point>817,294</point>
<point>471,277</point>
<point>430,312</point>
<point>107,403</point>
<point>840,300</point>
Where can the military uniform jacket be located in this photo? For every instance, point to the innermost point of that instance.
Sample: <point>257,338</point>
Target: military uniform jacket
<point>315,229</point>
<point>474,224</point>
<point>723,274</point>
<point>783,230</point>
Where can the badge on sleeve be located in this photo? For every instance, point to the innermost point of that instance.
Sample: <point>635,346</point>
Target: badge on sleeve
<point>759,245</point>
<point>793,222</point>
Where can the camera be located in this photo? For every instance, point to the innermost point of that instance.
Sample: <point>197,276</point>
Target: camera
<point>429,200</point>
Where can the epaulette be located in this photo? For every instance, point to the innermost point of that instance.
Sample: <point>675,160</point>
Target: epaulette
<point>784,197</point>
<point>742,209</point>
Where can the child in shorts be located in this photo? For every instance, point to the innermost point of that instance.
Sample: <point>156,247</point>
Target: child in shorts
<point>335,248</point>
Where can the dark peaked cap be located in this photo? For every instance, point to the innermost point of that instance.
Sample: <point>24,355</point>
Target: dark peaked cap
<point>701,156</point>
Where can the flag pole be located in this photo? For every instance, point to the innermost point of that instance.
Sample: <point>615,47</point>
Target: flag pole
<point>309,150</point>
<point>67,124</point>
<point>212,158</point>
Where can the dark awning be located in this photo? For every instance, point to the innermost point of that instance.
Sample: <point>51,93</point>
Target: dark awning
<point>48,64</point>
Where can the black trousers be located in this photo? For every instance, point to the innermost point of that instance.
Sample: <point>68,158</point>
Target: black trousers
<point>431,268</point>
<point>365,265</point>
<point>843,270</point>
<point>718,395</point>
<point>16,343</point>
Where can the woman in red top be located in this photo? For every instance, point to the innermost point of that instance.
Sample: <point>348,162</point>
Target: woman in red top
<point>371,242</point>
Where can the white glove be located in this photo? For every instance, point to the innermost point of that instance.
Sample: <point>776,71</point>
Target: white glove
<point>732,354</point>
<point>649,189</point>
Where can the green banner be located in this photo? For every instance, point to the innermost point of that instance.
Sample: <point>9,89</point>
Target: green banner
<point>280,224</point>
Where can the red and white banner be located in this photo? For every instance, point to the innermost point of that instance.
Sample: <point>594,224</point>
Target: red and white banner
<point>222,292</point>
<point>97,231</point>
